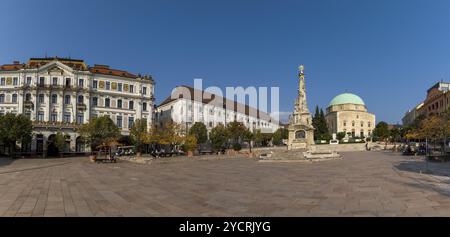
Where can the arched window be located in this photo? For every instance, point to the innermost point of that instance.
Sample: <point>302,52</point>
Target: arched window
<point>54,99</point>
<point>41,98</point>
<point>67,99</point>
<point>28,97</point>
<point>94,101</point>
<point>107,102</point>
<point>301,134</point>
<point>80,99</point>
<point>131,105</point>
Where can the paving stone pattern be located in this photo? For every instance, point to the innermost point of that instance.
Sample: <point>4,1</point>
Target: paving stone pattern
<point>361,184</point>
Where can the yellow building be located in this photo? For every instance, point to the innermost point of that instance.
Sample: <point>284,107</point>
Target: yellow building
<point>348,113</point>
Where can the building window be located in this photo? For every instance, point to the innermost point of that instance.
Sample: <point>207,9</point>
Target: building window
<point>28,80</point>
<point>15,81</point>
<point>2,98</point>
<point>3,81</point>
<point>28,97</point>
<point>361,135</point>
<point>80,118</point>
<point>362,124</point>
<point>67,99</point>
<point>131,88</point>
<point>144,90</point>
<point>130,122</point>
<point>67,117</point>
<point>95,84</point>
<point>369,124</point>
<point>210,124</point>
<point>119,87</point>
<point>80,82</point>
<point>40,116</point>
<point>345,123</point>
<point>131,105</point>
<point>108,85</point>
<point>55,81</point>
<point>68,82</point>
<point>119,104</point>
<point>119,121</point>
<point>107,102</point>
<point>144,106</point>
<point>54,117</point>
<point>54,99</point>
<point>94,101</point>
<point>41,81</point>
<point>14,98</point>
<point>353,123</point>
<point>80,99</point>
<point>41,98</point>
<point>28,114</point>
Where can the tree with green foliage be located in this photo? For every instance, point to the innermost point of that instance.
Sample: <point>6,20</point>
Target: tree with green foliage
<point>219,137</point>
<point>14,128</point>
<point>236,131</point>
<point>320,124</point>
<point>199,131</point>
<point>248,137</point>
<point>99,131</point>
<point>340,135</point>
<point>382,132</point>
<point>60,142</point>
<point>262,139</point>
<point>138,134</point>
<point>279,136</point>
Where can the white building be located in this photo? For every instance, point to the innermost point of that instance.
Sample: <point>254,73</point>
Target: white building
<point>60,94</point>
<point>211,110</point>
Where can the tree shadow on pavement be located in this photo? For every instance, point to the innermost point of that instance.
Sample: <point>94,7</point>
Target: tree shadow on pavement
<point>5,161</point>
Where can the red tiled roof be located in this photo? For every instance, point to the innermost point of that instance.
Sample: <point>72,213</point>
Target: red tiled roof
<point>76,64</point>
<point>113,72</point>
<point>216,100</point>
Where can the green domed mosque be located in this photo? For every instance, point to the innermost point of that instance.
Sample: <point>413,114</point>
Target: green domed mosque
<point>348,113</point>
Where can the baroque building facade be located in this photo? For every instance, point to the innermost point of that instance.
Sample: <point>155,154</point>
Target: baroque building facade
<point>184,108</point>
<point>437,102</point>
<point>60,94</point>
<point>348,113</point>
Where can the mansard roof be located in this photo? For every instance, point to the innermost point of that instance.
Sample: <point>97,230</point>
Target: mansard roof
<point>75,64</point>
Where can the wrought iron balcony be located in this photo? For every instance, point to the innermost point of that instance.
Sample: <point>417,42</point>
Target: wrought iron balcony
<point>81,106</point>
<point>28,104</point>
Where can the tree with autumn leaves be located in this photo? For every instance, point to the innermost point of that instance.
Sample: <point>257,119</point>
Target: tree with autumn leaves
<point>433,128</point>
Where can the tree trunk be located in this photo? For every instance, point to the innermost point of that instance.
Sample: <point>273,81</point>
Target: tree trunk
<point>12,148</point>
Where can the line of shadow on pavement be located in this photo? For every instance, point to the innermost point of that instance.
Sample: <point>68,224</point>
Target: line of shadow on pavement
<point>436,169</point>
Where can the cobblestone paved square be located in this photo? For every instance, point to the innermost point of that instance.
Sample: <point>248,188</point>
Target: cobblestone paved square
<point>361,184</point>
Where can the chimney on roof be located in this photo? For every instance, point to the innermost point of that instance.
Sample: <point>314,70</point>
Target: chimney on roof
<point>16,62</point>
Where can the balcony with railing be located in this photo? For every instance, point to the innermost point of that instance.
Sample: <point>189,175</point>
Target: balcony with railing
<point>81,106</point>
<point>28,104</point>
<point>50,124</point>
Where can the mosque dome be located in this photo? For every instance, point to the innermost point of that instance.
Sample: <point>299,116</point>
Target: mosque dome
<point>347,98</point>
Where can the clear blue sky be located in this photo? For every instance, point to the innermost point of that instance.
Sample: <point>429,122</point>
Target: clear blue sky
<point>388,52</point>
